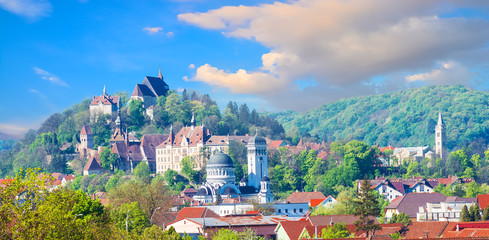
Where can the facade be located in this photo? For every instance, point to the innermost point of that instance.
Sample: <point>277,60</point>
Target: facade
<point>291,209</point>
<point>104,104</point>
<point>92,167</point>
<point>440,138</point>
<point>448,210</point>
<point>221,183</point>
<point>194,141</point>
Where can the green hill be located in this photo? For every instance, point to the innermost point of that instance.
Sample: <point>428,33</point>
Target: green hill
<point>402,118</point>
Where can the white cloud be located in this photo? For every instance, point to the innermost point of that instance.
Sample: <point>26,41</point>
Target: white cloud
<point>27,8</point>
<point>185,78</point>
<point>50,77</point>
<point>447,73</point>
<point>342,45</point>
<point>152,30</point>
<point>191,66</point>
<point>169,34</point>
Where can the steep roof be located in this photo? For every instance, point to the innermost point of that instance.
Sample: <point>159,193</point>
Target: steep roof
<point>142,90</point>
<point>86,130</point>
<point>304,197</point>
<point>106,100</point>
<point>293,229</point>
<point>149,142</point>
<point>126,153</point>
<point>195,212</point>
<point>92,165</point>
<point>410,203</point>
<point>483,200</point>
<point>156,85</point>
<point>193,136</point>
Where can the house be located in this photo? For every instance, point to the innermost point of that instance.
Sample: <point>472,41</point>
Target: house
<point>410,203</point>
<point>92,167</point>
<point>291,209</point>
<point>483,200</point>
<point>291,230</point>
<point>477,230</point>
<point>104,104</point>
<point>447,210</point>
<point>304,197</point>
<point>327,202</point>
<point>262,225</point>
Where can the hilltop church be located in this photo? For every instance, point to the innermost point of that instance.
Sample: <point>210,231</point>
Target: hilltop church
<point>221,178</point>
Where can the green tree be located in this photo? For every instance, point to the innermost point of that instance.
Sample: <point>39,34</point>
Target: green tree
<point>142,172</point>
<point>226,234</point>
<point>485,215</point>
<point>465,215</point>
<point>367,208</point>
<point>474,213</point>
<point>137,219</point>
<point>136,114</point>
<point>107,159</point>
<point>400,218</point>
<point>338,230</point>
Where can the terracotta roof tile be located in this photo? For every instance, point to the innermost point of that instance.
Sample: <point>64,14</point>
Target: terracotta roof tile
<point>195,212</point>
<point>293,229</point>
<point>106,100</point>
<point>304,197</point>
<point>483,200</point>
<point>86,130</point>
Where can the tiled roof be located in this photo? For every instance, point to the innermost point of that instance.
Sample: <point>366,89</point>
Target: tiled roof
<point>193,136</point>
<point>316,202</point>
<point>92,165</point>
<point>304,197</point>
<point>483,200</point>
<point>126,153</point>
<point>86,130</point>
<point>425,229</point>
<point>326,220</point>
<point>293,229</point>
<point>195,212</point>
<point>410,203</point>
<point>142,90</point>
<point>276,143</point>
<point>149,142</point>
<point>106,100</point>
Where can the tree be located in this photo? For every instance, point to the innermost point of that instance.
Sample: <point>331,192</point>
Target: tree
<point>108,159</point>
<point>142,172</point>
<point>366,206</point>
<point>400,218</point>
<point>485,215</point>
<point>136,114</point>
<point>29,211</point>
<point>475,213</point>
<point>465,215</point>
<point>338,230</point>
<point>137,220</point>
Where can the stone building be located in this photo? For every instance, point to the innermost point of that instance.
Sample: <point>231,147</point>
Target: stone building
<point>104,104</point>
<point>221,178</point>
<point>194,141</point>
<point>149,90</point>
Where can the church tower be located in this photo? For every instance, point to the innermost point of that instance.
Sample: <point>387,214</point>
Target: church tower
<point>86,137</point>
<point>257,160</point>
<point>440,138</point>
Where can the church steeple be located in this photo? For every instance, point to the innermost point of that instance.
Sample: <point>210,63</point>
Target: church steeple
<point>159,74</point>
<point>440,138</point>
<point>104,92</point>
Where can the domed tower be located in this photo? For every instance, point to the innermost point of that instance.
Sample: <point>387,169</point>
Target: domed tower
<point>265,195</point>
<point>257,160</point>
<point>220,170</point>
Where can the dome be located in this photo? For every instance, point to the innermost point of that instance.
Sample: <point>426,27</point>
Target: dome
<point>229,191</point>
<point>257,140</point>
<point>220,158</point>
<point>265,179</point>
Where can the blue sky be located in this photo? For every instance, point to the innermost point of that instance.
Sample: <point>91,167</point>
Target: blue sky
<point>272,55</point>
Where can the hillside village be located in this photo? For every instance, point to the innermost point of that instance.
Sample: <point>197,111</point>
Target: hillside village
<point>238,171</point>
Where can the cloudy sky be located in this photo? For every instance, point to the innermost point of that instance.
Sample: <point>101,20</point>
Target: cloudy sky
<point>273,55</point>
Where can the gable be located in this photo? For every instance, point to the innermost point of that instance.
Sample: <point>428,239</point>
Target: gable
<point>156,85</point>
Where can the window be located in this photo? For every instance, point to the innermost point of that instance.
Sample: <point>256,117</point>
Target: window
<point>300,210</point>
<point>286,210</point>
<point>280,211</point>
<point>295,210</point>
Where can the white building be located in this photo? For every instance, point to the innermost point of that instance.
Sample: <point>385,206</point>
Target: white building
<point>104,104</point>
<point>448,210</point>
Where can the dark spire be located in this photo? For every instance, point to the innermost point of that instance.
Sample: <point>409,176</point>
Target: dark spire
<point>440,119</point>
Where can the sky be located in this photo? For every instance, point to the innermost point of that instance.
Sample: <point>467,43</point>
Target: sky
<point>272,55</point>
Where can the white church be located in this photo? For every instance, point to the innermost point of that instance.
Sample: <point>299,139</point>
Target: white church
<point>221,176</point>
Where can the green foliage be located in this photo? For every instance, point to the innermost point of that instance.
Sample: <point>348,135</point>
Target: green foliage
<point>400,218</point>
<point>485,215</point>
<point>338,230</point>
<point>137,219</point>
<point>29,211</point>
<point>402,118</point>
<point>474,213</point>
<point>142,172</point>
<point>136,114</point>
<point>465,215</point>
<point>108,159</point>
<point>366,207</point>
<point>227,234</point>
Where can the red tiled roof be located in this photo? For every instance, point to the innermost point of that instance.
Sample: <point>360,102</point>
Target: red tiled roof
<point>304,197</point>
<point>483,200</point>
<point>86,130</point>
<point>106,100</point>
<point>387,148</point>
<point>275,144</point>
<point>316,202</point>
<point>293,229</point>
<point>253,212</point>
<point>326,220</point>
<point>195,212</point>
<point>193,136</point>
<point>425,229</point>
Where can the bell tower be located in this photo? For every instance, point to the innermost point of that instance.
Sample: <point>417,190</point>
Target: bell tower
<point>440,138</point>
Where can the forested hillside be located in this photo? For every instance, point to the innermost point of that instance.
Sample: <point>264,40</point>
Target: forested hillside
<point>402,118</point>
